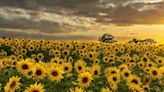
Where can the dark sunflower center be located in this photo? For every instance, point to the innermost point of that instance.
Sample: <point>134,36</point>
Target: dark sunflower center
<point>38,72</point>
<point>121,69</point>
<point>85,80</point>
<point>66,68</point>
<point>114,78</point>
<point>90,55</point>
<point>96,72</point>
<point>54,73</point>
<point>146,80</point>
<point>135,81</point>
<point>145,59</point>
<point>150,65</point>
<point>55,61</point>
<point>40,56</point>
<point>159,61</point>
<point>12,84</point>
<point>154,72</point>
<point>35,91</point>
<point>147,70</point>
<point>24,66</point>
<point>146,89</point>
<point>29,73</point>
<point>113,72</point>
<point>131,61</point>
<point>126,74</point>
<point>14,63</point>
<point>65,53</point>
<point>110,60</point>
<point>79,67</point>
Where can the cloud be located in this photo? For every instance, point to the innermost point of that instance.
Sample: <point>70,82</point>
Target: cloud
<point>119,12</point>
<point>131,15</point>
<point>65,16</point>
<point>45,22</point>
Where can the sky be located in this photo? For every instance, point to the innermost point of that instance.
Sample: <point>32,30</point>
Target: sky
<point>82,19</point>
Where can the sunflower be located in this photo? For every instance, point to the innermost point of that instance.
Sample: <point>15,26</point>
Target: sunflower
<point>39,71</point>
<point>37,46</point>
<point>57,53</point>
<point>16,52</point>
<point>70,59</point>
<point>147,69</point>
<point>91,55</point>
<point>115,79</point>
<point>84,79</point>
<point>113,86</point>
<point>13,84</point>
<point>4,54</point>
<point>105,59</point>
<point>24,65</point>
<point>141,65</point>
<point>68,45</point>
<point>132,65</point>
<point>35,88</point>
<point>122,67</point>
<point>29,73</point>
<point>155,73</point>
<point>106,89</point>
<point>111,70</point>
<point>23,51</point>
<point>13,57</point>
<point>55,74</point>
<point>61,62</point>
<point>55,60</point>
<point>77,89</point>
<point>33,56</point>
<point>126,73</point>
<point>133,80</point>
<point>145,59</point>
<point>20,57</point>
<point>67,67</point>
<point>96,70</point>
<point>80,66</point>
<point>146,88</point>
<point>137,88</point>
<point>65,53</point>
<point>150,64</point>
<point>51,52</point>
<point>31,48</point>
<point>147,80</point>
<point>96,61</point>
<point>40,56</point>
<point>160,61</point>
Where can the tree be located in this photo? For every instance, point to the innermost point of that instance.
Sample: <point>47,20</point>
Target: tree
<point>108,38</point>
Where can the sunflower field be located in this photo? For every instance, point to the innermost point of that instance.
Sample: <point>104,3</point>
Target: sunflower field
<point>80,66</point>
